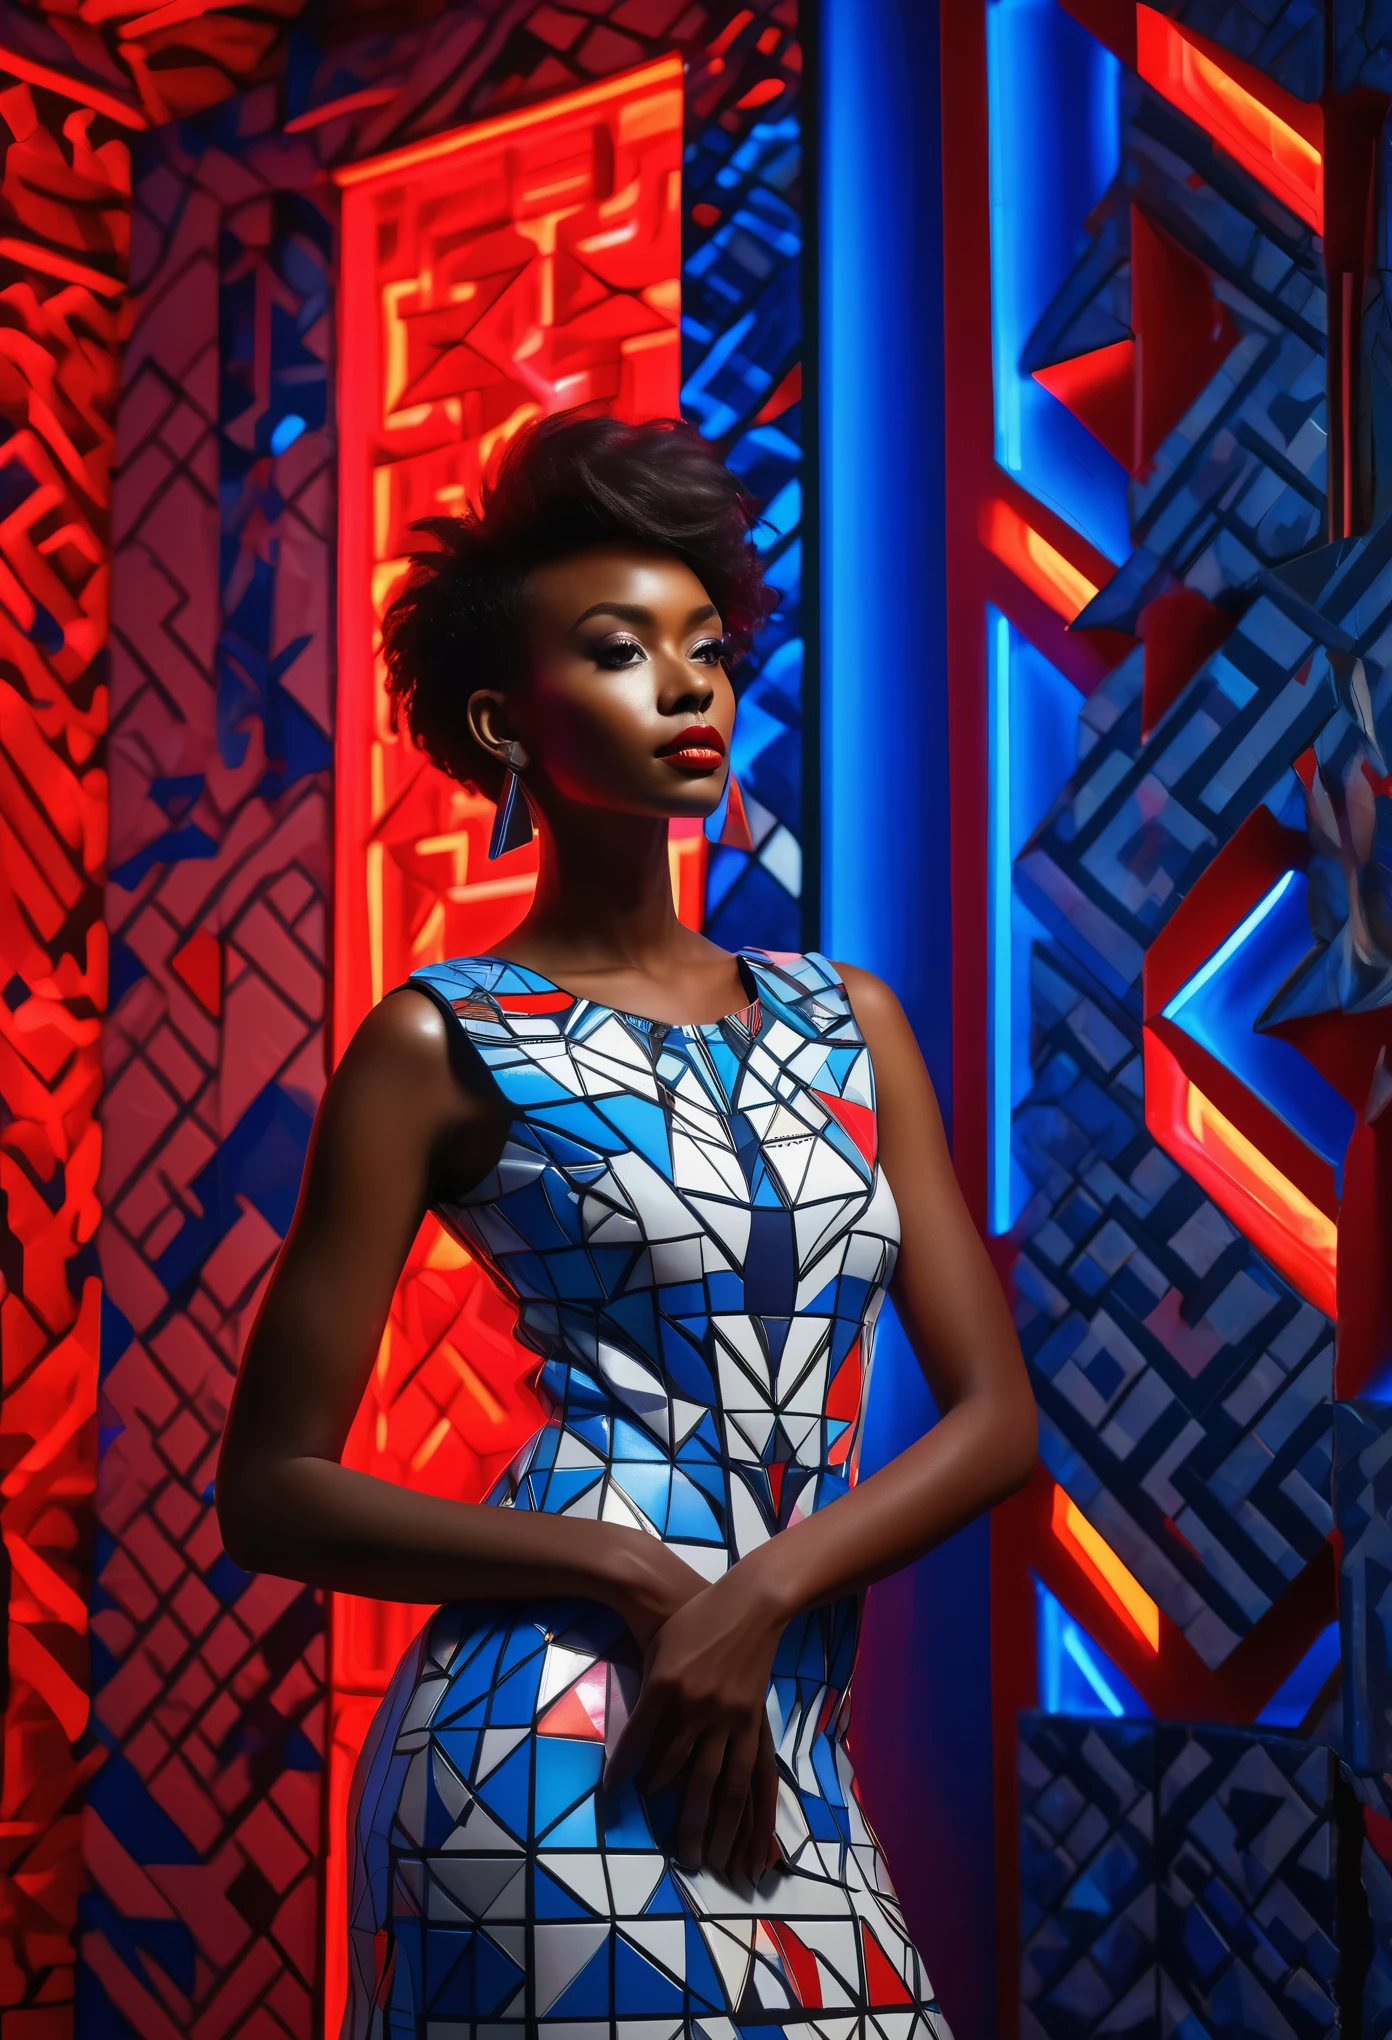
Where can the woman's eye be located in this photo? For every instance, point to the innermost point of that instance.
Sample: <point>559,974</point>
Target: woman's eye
<point>709,652</point>
<point>617,653</point>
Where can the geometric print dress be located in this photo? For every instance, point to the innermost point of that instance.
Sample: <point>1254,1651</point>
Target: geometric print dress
<point>694,1228</point>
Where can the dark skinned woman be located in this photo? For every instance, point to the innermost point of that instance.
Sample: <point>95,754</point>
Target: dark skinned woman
<point>609,1792</point>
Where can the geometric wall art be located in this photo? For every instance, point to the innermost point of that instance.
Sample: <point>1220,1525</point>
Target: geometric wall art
<point>1182,565</point>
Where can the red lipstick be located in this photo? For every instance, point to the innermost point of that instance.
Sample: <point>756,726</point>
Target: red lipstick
<point>698,749</point>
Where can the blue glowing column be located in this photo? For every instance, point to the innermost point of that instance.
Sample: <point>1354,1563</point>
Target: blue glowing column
<point>1032,747</point>
<point>922,1729</point>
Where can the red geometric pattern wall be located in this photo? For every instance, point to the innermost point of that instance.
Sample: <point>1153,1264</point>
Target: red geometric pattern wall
<point>58,379</point>
<point>71,95</point>
<point>205,1818</point>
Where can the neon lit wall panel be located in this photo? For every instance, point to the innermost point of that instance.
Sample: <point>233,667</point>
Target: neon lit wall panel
<point>490,276</point>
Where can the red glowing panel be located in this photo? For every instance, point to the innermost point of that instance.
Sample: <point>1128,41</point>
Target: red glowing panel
<point>490,276</point>
<point>1030,557</point>
<point>1117,1585</point>
<point>1276,1215</point>
<point>1275,137</point>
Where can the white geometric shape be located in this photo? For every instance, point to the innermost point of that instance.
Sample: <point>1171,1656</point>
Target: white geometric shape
<point>563,1947</point>
<point>474,1882</point>
<point>634,1878</point>
<point>497,1743</point>
<point>561,1669</point>
<point>581,1872</point>
<point>728,1223</point>
<point>685,1417</point>
<point>619,1509</point>
<point>663,1940</point>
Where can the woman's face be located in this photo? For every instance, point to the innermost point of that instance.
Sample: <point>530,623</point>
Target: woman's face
<point>625,703</point>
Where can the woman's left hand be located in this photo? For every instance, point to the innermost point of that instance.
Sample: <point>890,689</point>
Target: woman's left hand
<point>703,1710</point>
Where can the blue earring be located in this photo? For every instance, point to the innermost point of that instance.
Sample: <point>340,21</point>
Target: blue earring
<point>729,824</point>
<point>512,824</point>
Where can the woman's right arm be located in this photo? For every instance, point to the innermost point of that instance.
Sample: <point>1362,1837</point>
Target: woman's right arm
<point>400,1119</point>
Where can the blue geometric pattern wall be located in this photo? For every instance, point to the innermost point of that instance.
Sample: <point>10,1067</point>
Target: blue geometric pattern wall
<point>1177,1878</point>
<point>203,1907</point>
<point>1165,1352</point>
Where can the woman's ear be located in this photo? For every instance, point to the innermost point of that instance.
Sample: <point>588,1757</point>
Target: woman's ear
<point>491,728</point>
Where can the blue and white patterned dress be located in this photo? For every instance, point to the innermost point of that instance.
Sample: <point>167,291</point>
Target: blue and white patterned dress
<point>699,1238</point>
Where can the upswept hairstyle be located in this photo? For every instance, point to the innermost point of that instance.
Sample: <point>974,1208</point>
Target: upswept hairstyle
<point>564,483</point>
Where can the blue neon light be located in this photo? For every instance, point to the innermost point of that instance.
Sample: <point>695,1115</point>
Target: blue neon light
<point>1055,146</point>
<point>1230,948</point>
<point>1032,745</point>
<point>287,431</point>
<point>999,890</point>
<point>1075,1674</point>
<point>1288,1707</point>
<point>1219,1006</point>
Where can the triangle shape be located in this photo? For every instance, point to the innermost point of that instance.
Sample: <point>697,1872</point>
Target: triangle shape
<point>1099,388</point>
<point>1183,334</point>
<point>856,1120</point>
<point>883,1983</point>
<point>581,1711</point>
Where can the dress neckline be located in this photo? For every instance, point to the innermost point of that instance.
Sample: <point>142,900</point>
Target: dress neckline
<point>743,963</point>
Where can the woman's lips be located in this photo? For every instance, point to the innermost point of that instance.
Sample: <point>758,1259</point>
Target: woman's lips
<point>698,749</point>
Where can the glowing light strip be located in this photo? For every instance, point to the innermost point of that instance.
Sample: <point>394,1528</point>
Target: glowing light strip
<point>338,109</point>
<point>1279,1219</point>
<point>1230,948</point>
<point>1118,1586</point>
<point>1287,162</point>
<point>663,71</point>
<point>1078,1651</point>
<point>1250,1170</point>
<point>71,88</point>
<point>48,261</point>
<point>998,898</point>
<point>1031,558</point>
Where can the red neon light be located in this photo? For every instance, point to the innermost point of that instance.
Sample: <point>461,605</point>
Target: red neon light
<point>1282,149</point>
<point>1117,1585</point>
<point>1030,557</point>
<point>1280,1220</point>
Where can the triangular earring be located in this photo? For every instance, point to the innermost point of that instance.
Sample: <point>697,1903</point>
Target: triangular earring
<point>512,822</point>
<point>732,827</point>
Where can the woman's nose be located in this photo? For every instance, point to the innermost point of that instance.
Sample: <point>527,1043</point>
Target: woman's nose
<point>681,687</point>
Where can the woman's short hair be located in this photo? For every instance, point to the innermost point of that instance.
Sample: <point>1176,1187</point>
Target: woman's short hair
<point>565,483</point>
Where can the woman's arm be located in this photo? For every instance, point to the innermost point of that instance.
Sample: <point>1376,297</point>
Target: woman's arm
<point>708,1668</point>
<point>402,1117</point>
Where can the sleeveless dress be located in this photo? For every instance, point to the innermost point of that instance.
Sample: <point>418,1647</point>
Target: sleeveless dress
<point>698,1237</point>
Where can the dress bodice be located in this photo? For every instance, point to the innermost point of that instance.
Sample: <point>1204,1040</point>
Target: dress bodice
<point>695,1227</point>
<point>698,1236</point>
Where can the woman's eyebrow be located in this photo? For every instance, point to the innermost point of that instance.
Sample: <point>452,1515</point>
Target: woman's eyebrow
<point>627,612</point>
<point>633,612</point>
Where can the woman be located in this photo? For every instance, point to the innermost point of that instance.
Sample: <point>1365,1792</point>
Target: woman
<point>609,1789</point>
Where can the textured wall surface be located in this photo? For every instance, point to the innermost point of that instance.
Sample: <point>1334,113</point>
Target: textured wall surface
<point>72,94</point>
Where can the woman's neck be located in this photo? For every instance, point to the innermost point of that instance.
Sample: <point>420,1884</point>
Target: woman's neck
<point>604,894</point>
